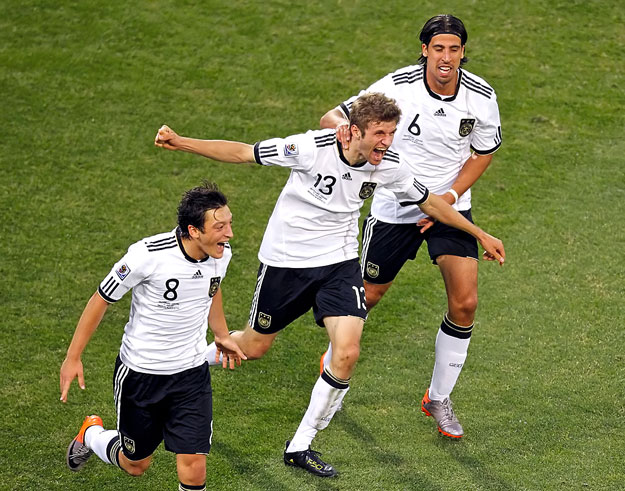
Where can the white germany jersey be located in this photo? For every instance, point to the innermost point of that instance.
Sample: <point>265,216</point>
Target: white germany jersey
<point>315,220</point>
<point>436,134</point>
<point>171,297</point>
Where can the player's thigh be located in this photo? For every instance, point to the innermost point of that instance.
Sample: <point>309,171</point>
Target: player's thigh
<point>139,419</point>
<point>281,296</point>
<point>386,247</point>
<point>460,276</point>
<point>188,428</point>
<point>339,292</point>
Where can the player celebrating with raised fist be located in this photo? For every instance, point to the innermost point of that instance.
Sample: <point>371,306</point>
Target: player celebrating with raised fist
<point>448,134</point>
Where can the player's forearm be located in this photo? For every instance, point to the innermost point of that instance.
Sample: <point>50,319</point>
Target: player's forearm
<point>472,170</point>
<point>221,150</point>
<point>439,209</point>
<point>87,325</point>
<point>332,119</point>
<point>217,318</point>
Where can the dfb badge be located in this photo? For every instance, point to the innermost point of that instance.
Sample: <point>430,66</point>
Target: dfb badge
<point>214,286</point>
<point>264,320</point>
<point>466,127</point>
<point>367,189</point>
<point>129,444</point>
<point>373,270</point>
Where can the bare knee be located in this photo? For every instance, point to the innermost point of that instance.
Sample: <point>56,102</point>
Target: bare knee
<point>191,469</point>
<point>344,360</point>
<point>135,468</point>
<point>374,293</point>
<point>462,310</point>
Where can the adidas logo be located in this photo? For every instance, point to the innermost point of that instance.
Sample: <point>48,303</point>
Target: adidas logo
<point>440,112</point>
<point>197,274</point>
<point>347,177</point>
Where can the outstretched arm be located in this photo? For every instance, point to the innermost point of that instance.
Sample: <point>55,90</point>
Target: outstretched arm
<point>224,342</point>
<point>438,208</point>
<point>221,150</point>
<point>88,323</point>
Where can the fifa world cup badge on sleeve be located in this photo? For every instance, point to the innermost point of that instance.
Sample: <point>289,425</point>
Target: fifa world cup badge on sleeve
<point>290,150</point>
<point>123,271</point>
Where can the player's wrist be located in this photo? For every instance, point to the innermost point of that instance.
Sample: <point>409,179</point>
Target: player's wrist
<point>454,195</point>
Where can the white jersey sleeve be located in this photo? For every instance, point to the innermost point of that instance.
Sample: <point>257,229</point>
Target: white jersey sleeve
<point>128,272</point>
<point>294,152</point>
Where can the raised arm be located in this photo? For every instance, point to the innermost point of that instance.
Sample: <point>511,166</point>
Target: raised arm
<point>221,150</point>
<point>88,323</point>
<point>224,342</point>
<point>436,207</point>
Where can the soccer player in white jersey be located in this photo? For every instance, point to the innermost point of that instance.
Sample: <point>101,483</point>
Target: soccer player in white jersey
<point>161,381</point>
<point>448,133</point>
<point>309,252</point>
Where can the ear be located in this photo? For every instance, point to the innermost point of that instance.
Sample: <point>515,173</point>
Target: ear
<point>355,131</point>
<point>424,50</point>
<point>194,233</point>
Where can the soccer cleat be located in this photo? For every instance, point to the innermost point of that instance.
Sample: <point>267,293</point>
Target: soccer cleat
<point>308,460</point>
<point>444,415</point>
<point>78,453</point>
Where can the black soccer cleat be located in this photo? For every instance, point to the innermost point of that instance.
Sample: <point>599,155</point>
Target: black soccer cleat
<point>310,461</point>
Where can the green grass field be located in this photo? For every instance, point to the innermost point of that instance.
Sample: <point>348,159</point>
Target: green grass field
<point>85,85</point>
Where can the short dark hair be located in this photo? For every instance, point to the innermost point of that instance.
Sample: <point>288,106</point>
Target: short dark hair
<point>443,24</point>
<point>373,107</point>
<point>195,203</point>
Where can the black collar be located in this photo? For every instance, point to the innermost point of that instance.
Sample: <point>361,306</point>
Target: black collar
<point>184,253</point>
<point>345,161</point>
<point>436,96</point>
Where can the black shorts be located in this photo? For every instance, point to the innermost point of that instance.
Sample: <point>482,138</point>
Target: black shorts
<point>387,246</point>
<point>284,294</point>
<point>176,408</point>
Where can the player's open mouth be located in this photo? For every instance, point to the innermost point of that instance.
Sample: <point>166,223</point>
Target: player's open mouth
<point>379,152</point>
<point>445,69</point>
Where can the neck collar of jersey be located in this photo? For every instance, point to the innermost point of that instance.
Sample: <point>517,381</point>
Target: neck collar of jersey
<point>344,159</point>
<point>184,253</point>
<point>448,98</point>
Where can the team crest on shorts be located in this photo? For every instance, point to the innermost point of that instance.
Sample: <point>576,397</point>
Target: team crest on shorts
<point>291,150</point>
<point>214,286</point>
<point>129,445</point>
<point>466,127</point>
<point>264,320</point>
<point>373,270</point>
<point>367,189</point>
<point>123,271</point>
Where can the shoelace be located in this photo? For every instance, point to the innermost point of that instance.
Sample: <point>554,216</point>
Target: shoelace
<point>81,453</point>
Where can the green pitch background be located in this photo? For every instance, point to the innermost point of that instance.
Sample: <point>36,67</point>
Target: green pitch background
<point>84,87</point>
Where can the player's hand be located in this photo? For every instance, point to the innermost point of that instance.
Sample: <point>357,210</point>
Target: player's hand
<point>231,352</point>
<point>425,223</point>
<point>70,369</point>
<point>493,249</point>
<point>343,135</point>
<point>166,138</point>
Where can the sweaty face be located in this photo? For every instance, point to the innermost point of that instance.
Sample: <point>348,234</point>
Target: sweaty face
<point>373,144</point>
<point>444,53</point>
<point>217,231</point>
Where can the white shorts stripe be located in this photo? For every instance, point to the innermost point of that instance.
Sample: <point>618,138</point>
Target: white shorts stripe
<point>366,240</point>
<point>259,283</point>
<point>121,374</point>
